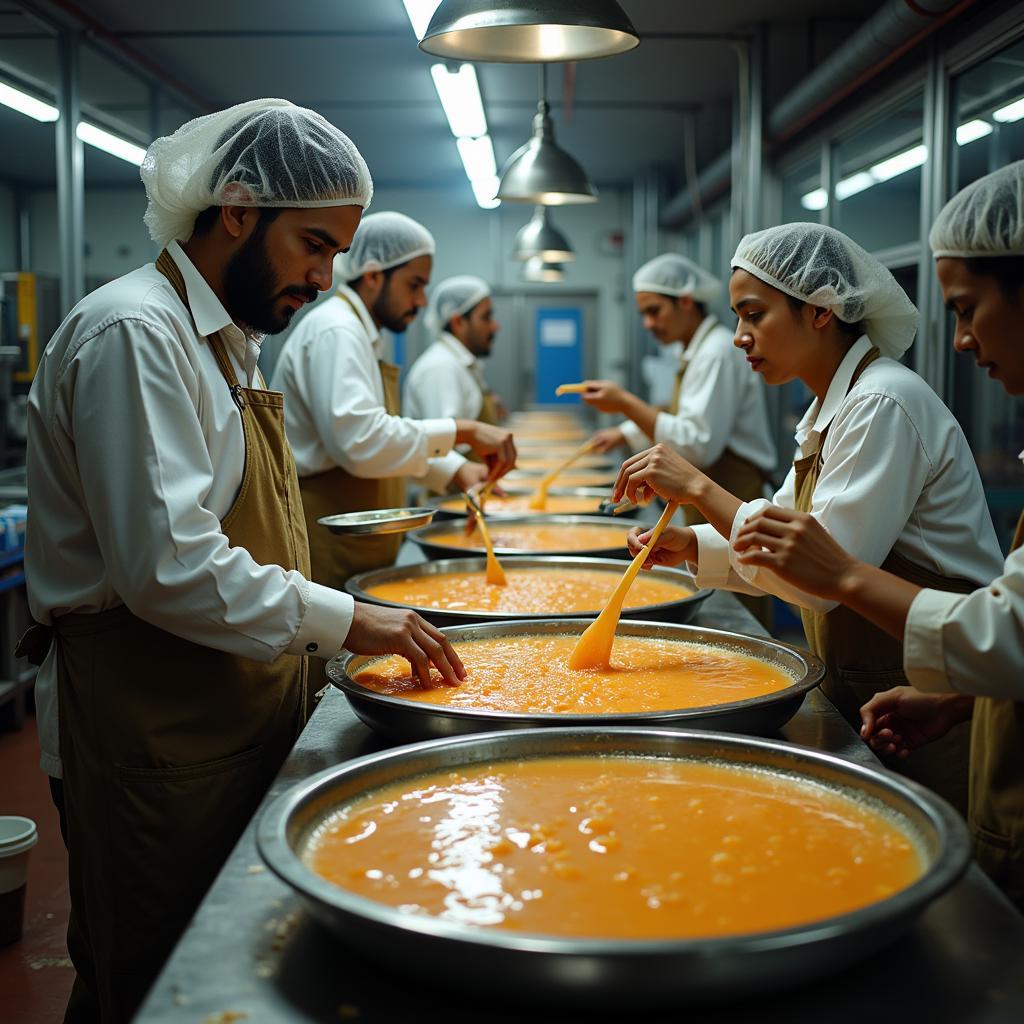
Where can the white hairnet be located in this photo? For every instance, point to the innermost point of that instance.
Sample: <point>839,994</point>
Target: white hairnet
<point>383,240</point>
<point>454,296</point>
<point>823,267</point>
<point>261,153</point>
<point>671,274</point>
<point>984,219</point>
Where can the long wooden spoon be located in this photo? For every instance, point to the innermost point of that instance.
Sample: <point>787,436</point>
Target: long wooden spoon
<point>495,573</point>
<point>594,647</point>
<point>540,499</point>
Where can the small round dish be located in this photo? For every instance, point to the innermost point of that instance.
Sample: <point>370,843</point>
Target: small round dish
<point>378,520</point>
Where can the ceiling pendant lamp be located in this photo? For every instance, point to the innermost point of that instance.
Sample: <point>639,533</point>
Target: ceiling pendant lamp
<point>539,237</point>
<point>538,270</point>
<point>519,31</point>
<point>541,172</point>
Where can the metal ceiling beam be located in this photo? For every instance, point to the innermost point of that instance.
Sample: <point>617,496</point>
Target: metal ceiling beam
<point>70,175</point>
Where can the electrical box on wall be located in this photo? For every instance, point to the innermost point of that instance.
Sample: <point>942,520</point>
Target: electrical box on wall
<point>30,303</point>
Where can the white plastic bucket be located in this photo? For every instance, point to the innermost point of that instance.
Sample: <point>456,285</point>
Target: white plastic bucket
<point>17,837</point>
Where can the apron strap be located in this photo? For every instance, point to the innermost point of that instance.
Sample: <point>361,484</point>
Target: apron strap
<point>868,359</point>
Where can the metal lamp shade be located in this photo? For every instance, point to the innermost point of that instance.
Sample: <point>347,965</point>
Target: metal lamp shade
<point>539,237</point>
<point>516,31</point>
<point>536,269</point>
<point>543,173</point>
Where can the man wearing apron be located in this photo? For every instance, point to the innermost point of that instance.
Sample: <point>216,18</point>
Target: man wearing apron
<point>962,654</point>
<point>717,418</point>
<point>448,379</point>
<point>166,558</point>
<point>353,447</point>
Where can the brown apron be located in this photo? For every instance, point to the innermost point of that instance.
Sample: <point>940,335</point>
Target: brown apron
<point>863,660</point>
<point>168,746</point>
<point>488,414</point>
<point>997,785</point>
<point>336,558</point>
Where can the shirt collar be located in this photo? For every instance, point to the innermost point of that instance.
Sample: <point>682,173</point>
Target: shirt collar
<point>372,331</point>
<point>704,328</point>
<point>821,414</point>
<point>208,314</point>
<point>457,349</point>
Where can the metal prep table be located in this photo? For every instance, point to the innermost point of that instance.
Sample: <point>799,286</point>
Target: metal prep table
<point>252,950</point>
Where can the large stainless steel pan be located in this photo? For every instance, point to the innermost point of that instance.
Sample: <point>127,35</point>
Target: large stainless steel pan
<point>598,494</point>
<point>601,972</point>
<point>409,720</point>
<point>678,611</point>
<point>422,537</point>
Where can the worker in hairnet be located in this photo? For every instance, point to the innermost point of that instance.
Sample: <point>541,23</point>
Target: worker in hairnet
<point>448,378</point>
<point>963,654</point>
<point>882,464</point>
<point>717,418</point>
<point>166,557</point>
<point>353,447</point>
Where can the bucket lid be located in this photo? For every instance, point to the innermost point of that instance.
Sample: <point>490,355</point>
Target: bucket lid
<point>17,834</point>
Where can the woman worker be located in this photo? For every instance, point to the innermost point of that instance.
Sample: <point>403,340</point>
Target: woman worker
<point>882,463</point>
<point>962,654</point>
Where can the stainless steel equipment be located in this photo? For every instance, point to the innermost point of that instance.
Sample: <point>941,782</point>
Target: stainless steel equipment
<point>408,720</point>
<point>605,972</point>
<point>669,611</point>
<point>598,494</point>
<point>379,520</point>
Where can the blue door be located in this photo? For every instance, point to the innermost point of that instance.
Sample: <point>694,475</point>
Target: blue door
<point>558,348</point>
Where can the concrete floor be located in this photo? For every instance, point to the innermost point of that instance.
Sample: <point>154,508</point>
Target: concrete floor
<point>35,973</point>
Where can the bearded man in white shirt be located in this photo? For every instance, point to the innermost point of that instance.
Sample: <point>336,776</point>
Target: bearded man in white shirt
<point>166,559</point>
<point>448,378</point>
<point>353,447</point>
<point>717,418</point>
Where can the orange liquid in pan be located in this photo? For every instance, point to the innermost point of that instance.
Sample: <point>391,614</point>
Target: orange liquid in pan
<point>531,674</point>
<point>572,477</point>
<point>528,592</point>
<point>520,504</point>
<point>542,537</point>
<point>615,847</point>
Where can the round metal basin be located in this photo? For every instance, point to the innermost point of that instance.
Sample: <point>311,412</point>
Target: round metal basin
<point>409,720</point>
<point>423,538</point>
<point>604,972</point>
<point>678,611</point>
<point>596,495</point>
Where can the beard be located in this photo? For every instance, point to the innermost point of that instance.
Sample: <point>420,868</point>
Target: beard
<point>250,286</point>
<point>387,316</point>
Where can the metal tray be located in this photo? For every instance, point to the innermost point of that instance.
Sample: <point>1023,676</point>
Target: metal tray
<point>599,494</point>
<point>408,720</point>
<point>668,611</point>
<point>422,537</point>
<point>624,974</point>
<point>378,520</point>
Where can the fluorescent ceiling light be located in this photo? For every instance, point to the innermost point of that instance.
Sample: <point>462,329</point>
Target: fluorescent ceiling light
<point>420,12</point>
<point>971,130</point>
<point>900,163</point>
<point>112,144</point>
<point>25,104</point>
<point>485,190</point>
<point>855,183</point>
<point>816,200</point>
<point>1011,112</point>
<point>459,93</point>
<point>478,158</point>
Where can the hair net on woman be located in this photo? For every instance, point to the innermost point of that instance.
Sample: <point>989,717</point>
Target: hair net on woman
<point>670,274</point>
<point>455,296</point>
<point>261,153</point>
<point>824,268</point>
<point>382,241</point>
<point>984,219</point>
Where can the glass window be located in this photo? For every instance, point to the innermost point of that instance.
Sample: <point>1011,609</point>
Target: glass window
<point>802,194</point>
<point>878,179</point>
<point>988,122</point>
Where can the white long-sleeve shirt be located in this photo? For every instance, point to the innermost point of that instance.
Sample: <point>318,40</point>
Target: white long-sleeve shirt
<point>970,643</point>
<point>721,405</point>
<point>897,475</point>
<point>446,380</point>
<point>135,454</point>
<point>334,411</point>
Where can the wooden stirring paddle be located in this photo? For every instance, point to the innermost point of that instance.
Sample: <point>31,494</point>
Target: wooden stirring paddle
<point>540,498</point>
<point>572,389</point>
<point>495,573</point>
<point>594,647</point>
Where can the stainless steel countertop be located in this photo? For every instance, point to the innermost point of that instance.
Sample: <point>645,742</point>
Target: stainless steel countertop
<point>251,949</point>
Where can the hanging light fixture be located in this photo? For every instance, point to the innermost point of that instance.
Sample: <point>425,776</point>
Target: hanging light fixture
<point>538,269</point>
<point>519,31</point>
<point>541,172</point>
<point>539,237</point>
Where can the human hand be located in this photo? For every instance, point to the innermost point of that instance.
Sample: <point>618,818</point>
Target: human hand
<point>664,471</point>
<point>494,444</point>
<point>798,549</point>
<point>470,475</point>
<point>902,719</point>
<point>676,545</point>
<point>377,630</point>
<point>605,395</point>
<point>607,439</point>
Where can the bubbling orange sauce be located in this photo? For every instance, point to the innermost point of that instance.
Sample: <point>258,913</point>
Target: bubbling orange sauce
<point>520,504</point>
<point>615,847</point>
<point>542,537</point>
<point>531,675</point>
<point>548,462</point>
<point>572,477</point>
<point>528,591</point>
